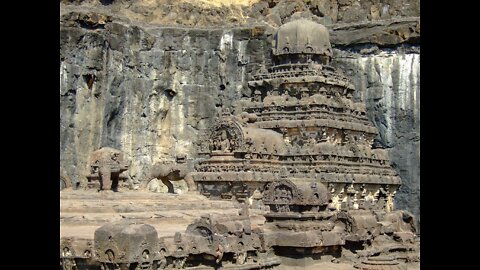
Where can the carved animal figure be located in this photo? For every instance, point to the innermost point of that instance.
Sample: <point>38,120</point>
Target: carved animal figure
<point>172,171</point>
<point>106,165</point>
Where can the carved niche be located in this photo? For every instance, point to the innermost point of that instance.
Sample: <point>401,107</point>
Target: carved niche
<point>226,136</point>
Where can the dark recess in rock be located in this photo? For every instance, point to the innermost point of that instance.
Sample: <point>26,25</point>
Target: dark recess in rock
<point>89,80</point>
<point>107,2</point>
<point>169,93</point>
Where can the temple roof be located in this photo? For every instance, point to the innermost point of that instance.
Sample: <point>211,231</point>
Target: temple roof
<point>302,36</point>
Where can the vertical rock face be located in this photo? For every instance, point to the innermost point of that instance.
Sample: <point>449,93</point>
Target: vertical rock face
<point>151,91</point>
<point>389,82</point>
<point>149,94</point>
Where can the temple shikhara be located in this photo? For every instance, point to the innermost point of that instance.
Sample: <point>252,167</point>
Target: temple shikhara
<point>296,162</point>
<point>301,120</point>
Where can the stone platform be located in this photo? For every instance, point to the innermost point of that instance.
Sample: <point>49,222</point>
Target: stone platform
<point>83,211</point>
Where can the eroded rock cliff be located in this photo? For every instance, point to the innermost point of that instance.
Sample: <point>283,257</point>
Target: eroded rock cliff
<point>150,80</point>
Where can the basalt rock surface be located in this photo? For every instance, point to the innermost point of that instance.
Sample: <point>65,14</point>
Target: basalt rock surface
<point>149,83</point>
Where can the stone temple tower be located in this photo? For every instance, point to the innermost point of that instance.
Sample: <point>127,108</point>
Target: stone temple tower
<point>301,120</point>
<point>299,152</point>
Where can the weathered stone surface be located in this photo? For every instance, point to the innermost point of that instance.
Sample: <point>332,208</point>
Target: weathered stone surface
<point>383,33</point>
<point>389,83</point>
<point>117,75</point>
<point>106,165</point>
<point>298,135</point>
<point>150,103</point>
<point>201,13</point>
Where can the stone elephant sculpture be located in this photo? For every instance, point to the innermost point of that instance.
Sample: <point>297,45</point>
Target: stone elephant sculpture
<point>172,171</point>
<point>106,165</point>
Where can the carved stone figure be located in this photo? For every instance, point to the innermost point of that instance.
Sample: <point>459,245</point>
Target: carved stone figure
<point>325,191</point>
<point>106,165</point>
<point>172,171</point>
<point>138,241</point>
